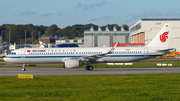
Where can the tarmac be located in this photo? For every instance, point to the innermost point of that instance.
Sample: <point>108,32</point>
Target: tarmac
<point>14,71</point>
<point>40,71</point>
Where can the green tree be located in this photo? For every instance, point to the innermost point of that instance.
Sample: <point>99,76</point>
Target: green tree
<point>18,31</point>
<point>65,31</point>
<point>125,26</point>
<point>34,34</point>
<point>58,32</point>
<point>51,30</point>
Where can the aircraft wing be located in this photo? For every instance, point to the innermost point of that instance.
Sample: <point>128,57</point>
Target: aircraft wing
<point>93,57</point>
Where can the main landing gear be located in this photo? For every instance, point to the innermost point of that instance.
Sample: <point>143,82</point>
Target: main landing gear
<point>23,68</point>
<point>89,68</point>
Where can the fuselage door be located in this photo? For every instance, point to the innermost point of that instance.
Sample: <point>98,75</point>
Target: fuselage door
<point>23,53</point>
<point>146,52</point>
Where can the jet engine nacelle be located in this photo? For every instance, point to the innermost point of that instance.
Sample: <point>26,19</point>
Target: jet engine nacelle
<point>72,63</point>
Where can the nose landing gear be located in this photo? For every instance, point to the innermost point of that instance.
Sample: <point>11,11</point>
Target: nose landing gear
<point>23,68</point>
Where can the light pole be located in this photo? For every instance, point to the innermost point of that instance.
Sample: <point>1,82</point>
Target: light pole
<point>32,39</point>
<point>39,35</point>
<point>1,38</point>
<point>9,36</point>
<point>20,40</point>
<point>25,36</point>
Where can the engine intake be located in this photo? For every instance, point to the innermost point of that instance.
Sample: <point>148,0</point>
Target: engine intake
<point>72,63</point>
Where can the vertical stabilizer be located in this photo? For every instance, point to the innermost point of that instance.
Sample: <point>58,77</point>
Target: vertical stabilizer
<point>162,38</point>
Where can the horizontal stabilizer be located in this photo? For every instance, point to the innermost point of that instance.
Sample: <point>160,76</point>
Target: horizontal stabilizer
<point>167,50</point>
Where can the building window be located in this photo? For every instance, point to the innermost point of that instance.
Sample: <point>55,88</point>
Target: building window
<point>158,23</point>
<point>67,41</point>
<point>75,40</point>
<point>135,28</point>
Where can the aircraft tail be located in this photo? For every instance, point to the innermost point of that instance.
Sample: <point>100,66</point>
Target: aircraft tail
<point>162,38</point>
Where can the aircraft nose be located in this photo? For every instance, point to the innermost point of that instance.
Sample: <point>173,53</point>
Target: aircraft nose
<point>5,58</point>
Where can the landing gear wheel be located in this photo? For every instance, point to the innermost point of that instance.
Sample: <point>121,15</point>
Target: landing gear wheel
<point>89,68</point>
<point>23,69</point>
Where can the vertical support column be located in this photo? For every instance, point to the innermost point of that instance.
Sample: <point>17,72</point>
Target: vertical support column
<point>143,37</point>
<point>95,40</point>
<point>126,39</point>
<point>132,39</point>
<point>111,39</point>
<point>140,40</point>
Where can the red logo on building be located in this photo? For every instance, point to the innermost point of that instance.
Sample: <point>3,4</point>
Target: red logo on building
<point>164,36</point>
<point>28,51</point>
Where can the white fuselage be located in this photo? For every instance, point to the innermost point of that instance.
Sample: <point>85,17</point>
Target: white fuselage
<point>75,57</point>
<point>58,55</point>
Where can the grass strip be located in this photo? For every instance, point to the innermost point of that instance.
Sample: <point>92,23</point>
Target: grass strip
<point>92,87</point>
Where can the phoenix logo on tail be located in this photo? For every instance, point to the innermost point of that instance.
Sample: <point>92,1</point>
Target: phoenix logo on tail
<point>164,36</point>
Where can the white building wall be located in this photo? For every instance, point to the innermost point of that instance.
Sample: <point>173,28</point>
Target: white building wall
<point>88,41</point>
<point>71,41</point>
<point>151,28</point>
<point>103,40</point>
<point>120,39</point>
<point>79,41</point>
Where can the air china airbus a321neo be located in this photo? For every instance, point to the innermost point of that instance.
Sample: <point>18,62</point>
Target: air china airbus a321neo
<point>75,57</point>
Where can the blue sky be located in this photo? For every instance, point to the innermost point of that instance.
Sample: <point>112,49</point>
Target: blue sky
<point>100,12</point>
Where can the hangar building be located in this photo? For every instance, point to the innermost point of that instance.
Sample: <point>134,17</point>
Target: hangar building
<point>145,30</point>
<point>99,37</point>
